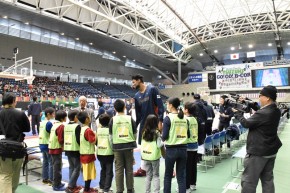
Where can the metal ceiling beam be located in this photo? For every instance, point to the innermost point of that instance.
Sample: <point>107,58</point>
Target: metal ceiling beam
<point>192,32</point>
<point>163,74</point>
<point>278,35</point>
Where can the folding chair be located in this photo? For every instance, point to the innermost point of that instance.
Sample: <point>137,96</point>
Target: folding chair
<point>206,150</point>
<point>216,145</point>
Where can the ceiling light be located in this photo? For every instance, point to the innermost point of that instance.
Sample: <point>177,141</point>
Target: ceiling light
<point>91,43</point>
<point>232,48</point>
<point>215,51</point>
<point>288,43</point>
<point>114,52</point>
<point>250,45</point>
<point>124,56</point>
<point>269,44</point>
<point>5,17</point>
<point>201,54</point>
<point>134,60</point>
<point>210,33</point>
<point>258,25</point>
<point>62,34</point>
<point>26,23</point>
<point>77,38</point>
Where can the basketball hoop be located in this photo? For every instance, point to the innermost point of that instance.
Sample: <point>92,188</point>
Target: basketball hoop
<point>29,79</point>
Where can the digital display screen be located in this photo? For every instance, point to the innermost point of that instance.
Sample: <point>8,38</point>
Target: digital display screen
<point>272,76</point>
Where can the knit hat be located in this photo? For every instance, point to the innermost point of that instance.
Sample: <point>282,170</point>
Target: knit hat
<point>269,91</point>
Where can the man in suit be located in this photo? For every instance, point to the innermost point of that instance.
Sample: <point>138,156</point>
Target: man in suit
<point>35,110</point>
<point>83,107</point>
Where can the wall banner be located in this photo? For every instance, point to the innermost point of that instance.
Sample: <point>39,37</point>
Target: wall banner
<point>232,77</point>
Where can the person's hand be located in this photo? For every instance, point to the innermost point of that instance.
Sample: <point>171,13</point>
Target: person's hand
<point>234,110</point>
<point>222,115</point>
<point>160,126</point>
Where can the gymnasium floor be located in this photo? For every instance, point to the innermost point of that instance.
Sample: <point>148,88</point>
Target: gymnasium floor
<point>216,180</point>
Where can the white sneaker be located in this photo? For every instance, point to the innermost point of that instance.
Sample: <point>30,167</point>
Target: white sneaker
<point>188,190</point>
<point>193,187</point>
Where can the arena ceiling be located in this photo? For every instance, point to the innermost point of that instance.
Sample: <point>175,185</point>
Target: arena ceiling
<point>162,33</point>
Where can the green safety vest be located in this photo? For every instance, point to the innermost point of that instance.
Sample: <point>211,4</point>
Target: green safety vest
<point>70,141</point>
<point>122,129</point>
<point>86,148</point>
<point>149,150</point>
<point>53,141</point>
<point>43,134</point>
<point>104,147</point>
<point>178,130</point>
<point>193,129</point>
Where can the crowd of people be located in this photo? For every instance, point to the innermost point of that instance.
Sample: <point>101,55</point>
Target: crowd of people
<point>175,137</point>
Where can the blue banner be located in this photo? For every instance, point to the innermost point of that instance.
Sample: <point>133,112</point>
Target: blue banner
<point>194,78</point>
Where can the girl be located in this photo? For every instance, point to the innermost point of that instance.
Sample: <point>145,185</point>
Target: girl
<point>190,110</point>
<point>151,152</point>
<point>175,133</point>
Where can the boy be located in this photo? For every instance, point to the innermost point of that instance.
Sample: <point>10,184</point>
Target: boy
<point>44,132</point>
<point>55,149</point>
<point>87,151</point>
<point>122,130</point>
<point>105,154</point>
<point>72,150</point>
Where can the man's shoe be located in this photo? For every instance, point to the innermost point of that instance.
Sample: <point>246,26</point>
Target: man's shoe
<point>59,188</point>
<point>139,173</point>
<point>69,190</point>
<point>193,187</point>
<point>47,181</point>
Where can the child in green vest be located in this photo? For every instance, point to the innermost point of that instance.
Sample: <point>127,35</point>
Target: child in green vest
<point>87,151</point>
<point>151,152</point>
<point>44,132</point>
<point>72,133</point>
<point>105,154</point>
<point>55,149</point>
<point>190,110</point>
<point>123,130</point>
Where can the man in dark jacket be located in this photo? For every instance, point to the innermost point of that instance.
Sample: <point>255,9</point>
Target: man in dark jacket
<point>13,123</point>
<point>209,118</point>
<point>201,118</point>
<point>35,110</point>
<point>262,143</point>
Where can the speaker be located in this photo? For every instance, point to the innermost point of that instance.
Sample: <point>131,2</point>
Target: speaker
<point>188,94</point>
<point>183,94</point>
<point>192,93</point>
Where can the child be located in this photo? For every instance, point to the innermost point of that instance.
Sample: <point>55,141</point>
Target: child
<point>55,149</point>
<point>72,150</point>
<point>190,110</point>
<point>175,132</point>
<point>105,154</point>
<point>44,132</point>
<point>87,151</point>
<point>151,152</point>
<point>122,130</point>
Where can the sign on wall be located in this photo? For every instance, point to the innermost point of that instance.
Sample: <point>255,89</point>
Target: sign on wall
<point>233,77</point>
<point>197,77</point>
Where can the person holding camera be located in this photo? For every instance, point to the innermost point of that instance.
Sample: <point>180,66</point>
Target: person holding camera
<point>226,113</point>
<point>263,142</point>
<point>12,125</point>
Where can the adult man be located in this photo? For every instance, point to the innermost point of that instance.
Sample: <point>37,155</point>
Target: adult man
<point>147,101</point>
<point>201,118</point>
<point>35,111</point>
<point>13,123</point>
<point>226,113</point>
<point>262,143</point>
<point>210,117</point>
<point>83,107</point>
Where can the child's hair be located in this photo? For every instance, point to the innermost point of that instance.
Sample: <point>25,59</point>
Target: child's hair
<point>150,126</point>
<point>72,114</point>
<point>119,105</point>
<point>104,119</point>
<point>48,110</point>
<point>60,115</point>
<point>82,116</point>
<point>192,108</point>
<point>175,102</point>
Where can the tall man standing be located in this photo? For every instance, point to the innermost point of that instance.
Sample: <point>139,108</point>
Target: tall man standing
<point>147,101</point>
<point>13,123</point>
<point>35,110</point>
<point>83,107</point>
<point>263,143</point>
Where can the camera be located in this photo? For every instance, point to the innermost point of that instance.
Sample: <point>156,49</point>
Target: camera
<point>241,104</point>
